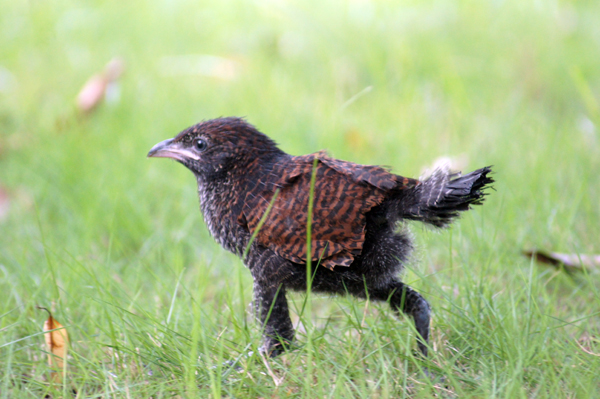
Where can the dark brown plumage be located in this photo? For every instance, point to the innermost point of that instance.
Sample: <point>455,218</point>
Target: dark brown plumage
<point>344,193</point>
<point>356,244</point>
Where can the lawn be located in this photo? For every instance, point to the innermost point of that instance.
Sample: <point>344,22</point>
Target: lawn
<point>114,243</point>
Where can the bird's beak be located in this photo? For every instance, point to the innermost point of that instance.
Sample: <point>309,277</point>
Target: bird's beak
<point>169,149</point>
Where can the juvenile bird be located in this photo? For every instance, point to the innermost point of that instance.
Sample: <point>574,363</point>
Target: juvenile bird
<point>255,199</point>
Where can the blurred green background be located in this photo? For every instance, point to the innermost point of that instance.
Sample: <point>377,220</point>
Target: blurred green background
<point>116,246</point>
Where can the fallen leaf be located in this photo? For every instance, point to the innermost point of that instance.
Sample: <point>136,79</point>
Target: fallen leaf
<point>92,93</point>
<point>95,89</point>
<point>571,262</point>
<point>57,341</point>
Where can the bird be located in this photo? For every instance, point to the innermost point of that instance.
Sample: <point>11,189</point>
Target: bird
<point>315,220</point>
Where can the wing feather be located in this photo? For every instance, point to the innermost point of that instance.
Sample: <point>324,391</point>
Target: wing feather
<point>340,207</point>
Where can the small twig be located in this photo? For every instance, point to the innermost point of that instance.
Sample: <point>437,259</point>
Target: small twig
<point>587,351</point>
<point>250,376</point>
<point>221,333</point>
<point>362,323</point>
<point>112,384</point>
<point>435,385</point>
<point>276,380</point>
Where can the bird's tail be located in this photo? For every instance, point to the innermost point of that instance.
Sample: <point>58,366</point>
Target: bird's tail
<point>440,198</point>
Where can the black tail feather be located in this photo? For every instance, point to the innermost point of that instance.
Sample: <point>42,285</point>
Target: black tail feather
<point>440,198</point>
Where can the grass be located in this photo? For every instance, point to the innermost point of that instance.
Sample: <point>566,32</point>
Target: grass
<point>116,246</point>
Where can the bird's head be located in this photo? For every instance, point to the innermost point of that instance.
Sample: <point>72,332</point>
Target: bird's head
<point>213,148</point>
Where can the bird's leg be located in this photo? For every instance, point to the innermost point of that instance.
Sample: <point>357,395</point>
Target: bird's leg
<point>272,311</point>
<point>405,299</point>
<point>269,272</point>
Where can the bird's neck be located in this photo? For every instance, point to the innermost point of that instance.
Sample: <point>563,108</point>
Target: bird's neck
<point>219,205</point>
<point>222,200</point>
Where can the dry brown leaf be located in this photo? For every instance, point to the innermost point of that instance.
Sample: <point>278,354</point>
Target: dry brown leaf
<point>94,90</point>
<point>571,262</point>
<point>57,341</point>
<point>92,93</point>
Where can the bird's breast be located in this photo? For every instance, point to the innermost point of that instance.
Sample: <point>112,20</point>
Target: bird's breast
<point>218,208</point>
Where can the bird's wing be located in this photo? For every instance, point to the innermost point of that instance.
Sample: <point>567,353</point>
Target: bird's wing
<point>343,194</point>
<point>376,176</point>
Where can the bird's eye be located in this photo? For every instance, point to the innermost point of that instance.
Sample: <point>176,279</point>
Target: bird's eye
<point>200,145</point>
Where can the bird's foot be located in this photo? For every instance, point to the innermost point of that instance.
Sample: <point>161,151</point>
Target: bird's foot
<point>275,347</point>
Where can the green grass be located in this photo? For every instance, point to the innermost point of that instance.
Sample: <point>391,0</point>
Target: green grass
<point>115,245</point>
